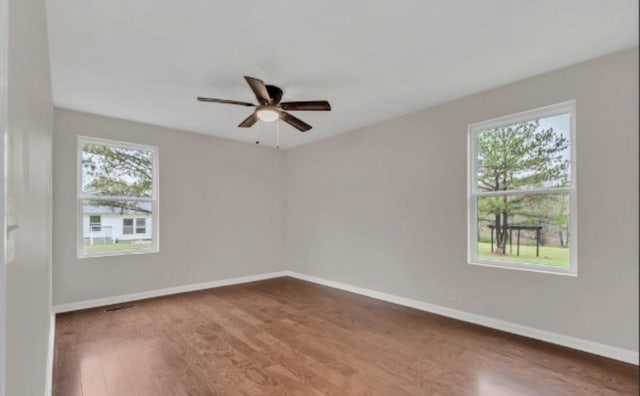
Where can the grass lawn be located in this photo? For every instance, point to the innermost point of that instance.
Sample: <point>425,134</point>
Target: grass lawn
<point>116,247</point>
<point>554,256</point>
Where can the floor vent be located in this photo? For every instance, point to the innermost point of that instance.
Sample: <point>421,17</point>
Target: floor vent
<point>118,308</point>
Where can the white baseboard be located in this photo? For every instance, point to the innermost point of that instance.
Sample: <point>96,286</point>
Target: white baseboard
<point>624,355</point>
<point>100,302</point>
<point>48,385</point>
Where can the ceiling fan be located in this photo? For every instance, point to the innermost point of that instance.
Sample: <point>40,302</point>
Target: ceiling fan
<point>270,108</point>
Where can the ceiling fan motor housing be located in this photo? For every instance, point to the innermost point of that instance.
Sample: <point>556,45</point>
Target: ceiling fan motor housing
<point>275,93</point>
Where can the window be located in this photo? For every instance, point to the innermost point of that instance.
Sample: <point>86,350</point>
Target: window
<point>522,191</point>
<point>127,226</point>
<point>141,227</point>
<point>94,223</point>
<point>117,198</point>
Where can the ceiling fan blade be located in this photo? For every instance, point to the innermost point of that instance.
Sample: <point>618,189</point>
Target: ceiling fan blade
<point>259,89</point>
<point>317,105</point>
<point>294,121</point>
<point>234,102</point>
<point>249,121</point>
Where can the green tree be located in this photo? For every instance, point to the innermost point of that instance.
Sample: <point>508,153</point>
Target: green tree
<point>554,214</point>
<point>117,172</point>
<point>516,157</point>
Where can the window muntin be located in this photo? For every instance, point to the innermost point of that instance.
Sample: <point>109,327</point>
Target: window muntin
<point>117,183</point>
<point>522,182</point>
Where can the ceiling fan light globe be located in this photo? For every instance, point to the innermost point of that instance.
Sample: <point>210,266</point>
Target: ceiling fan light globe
<point>268,115</point>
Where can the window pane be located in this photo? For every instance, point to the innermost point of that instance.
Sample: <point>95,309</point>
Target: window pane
<point>115,171</point>
<point>533,154</point>
<point>115,233</point>
<point>525,229</point>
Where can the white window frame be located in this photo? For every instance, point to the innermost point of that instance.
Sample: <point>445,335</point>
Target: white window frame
<point>155,243</point>
<point>4,128</point>
<point>473,194</point>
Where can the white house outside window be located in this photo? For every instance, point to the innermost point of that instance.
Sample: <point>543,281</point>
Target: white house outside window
<point>522,191</point>
<point>117,197</point>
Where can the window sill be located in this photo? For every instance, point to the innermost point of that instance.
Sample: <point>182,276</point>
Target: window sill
<point>545,269</point>
<point>121,253</point>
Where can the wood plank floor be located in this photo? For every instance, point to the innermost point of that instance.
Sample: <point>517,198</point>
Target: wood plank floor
<point>289,337</point>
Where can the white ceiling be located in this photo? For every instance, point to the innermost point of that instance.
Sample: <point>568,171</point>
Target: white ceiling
<point>147,60</point>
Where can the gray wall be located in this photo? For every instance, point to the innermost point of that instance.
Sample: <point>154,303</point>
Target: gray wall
<point>28,199</point>
<point>384,207</point>
<point>221,202</point>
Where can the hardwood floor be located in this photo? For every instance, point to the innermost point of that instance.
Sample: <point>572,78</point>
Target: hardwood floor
<point>289,337</point>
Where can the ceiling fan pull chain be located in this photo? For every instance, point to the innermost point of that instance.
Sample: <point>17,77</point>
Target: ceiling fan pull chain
<point>258,135</point>
<point>278,134</point>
